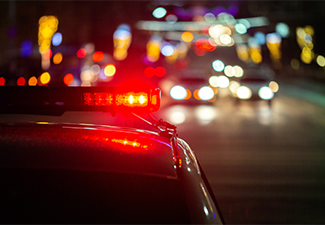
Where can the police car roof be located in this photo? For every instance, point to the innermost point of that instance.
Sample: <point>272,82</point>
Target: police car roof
<point>86,147</point>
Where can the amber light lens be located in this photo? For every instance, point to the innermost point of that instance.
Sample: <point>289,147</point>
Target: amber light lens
<point>132,99</point>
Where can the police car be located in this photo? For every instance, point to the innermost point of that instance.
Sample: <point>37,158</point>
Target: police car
<point>82,173</point>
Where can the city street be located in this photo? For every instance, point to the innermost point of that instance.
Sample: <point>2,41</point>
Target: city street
<point>265,165</point>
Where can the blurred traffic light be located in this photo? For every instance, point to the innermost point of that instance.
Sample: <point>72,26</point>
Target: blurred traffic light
<point>305,41</point>
<point>48,25</point>
<point>122,39</point>
<point>273,43</point>
<point>153,48</point>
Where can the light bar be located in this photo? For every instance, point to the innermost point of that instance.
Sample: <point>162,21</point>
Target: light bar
<point>57,100</point>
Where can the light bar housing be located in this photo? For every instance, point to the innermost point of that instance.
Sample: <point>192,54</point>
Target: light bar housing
<point>57,100</point>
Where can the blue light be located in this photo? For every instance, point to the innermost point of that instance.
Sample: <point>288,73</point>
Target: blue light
<point>260,37</point>
<point>26,48</point>
<point>57,39</point>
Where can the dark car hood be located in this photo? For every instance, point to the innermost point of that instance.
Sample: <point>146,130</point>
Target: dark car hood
<point>81,147</point>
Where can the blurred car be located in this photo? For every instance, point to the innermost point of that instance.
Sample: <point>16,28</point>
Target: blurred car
<point>254,85</point>
<point>190,87</point>
<point>84,173</point>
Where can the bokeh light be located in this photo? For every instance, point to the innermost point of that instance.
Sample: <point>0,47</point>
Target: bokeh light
<point>57,58</point>
<point>218,65</point>
<point>81,53</point>
<point>209,17</point>
<point>187,36</point>
<point>159,12</point>
<point>320,60</point>
<point>26,48</point>
<point>149,71</point>
<point>213,81</point>
<point>98,56</point>
<point>178,92</point>
<point>260,37</point>
<point>233,86</point>
<point>167,49</point>
<point>265,93</point>
<point>110,70</point>
<point>240,28</point>
<point>223,81</point>
<point>45,78</point>
<point>32,81</point>
<point>206,93</point>
<point>282,29</point>
<point>160,71</point>
<point>274,86</point>
<point>171,18</point>
<point>2,81</point>
<point>68,79</point>
<point>244,92</point>
<point>57,39</point>
<point>21,81</point>
<point>95,69</point>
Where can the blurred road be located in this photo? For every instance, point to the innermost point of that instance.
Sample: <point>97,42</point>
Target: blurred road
<point>265,165</point>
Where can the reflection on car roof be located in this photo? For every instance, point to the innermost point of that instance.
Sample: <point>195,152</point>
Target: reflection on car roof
<point>80,147</point>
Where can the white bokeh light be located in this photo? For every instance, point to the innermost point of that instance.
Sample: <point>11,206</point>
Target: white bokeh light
<point>178,92</point>
<point>206,93</point>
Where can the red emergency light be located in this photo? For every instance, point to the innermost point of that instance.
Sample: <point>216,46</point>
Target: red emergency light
<point>57,100</point>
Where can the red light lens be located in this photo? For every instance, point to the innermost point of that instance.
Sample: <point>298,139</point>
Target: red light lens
<point>97,99</point>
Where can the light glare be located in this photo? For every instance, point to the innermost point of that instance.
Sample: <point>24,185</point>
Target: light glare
<point>178,92</point>
<point>206,93</point>
<point>265,93</point>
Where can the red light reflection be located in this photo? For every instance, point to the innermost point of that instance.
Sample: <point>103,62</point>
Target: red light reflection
<point>121,142</point>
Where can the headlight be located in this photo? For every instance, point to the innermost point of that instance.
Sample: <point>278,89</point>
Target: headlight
<point>206,93</point>
<point>265,93</point>
<point>244,92</point>
<point>178,92</point>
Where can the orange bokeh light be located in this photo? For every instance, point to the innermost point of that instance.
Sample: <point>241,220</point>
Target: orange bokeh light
<point>68,79</point>
<point>187,36</point>
<point>32,81</point>
<point>98,56</point>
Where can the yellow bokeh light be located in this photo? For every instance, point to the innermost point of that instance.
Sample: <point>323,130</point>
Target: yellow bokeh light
<point>45,78</point>
<point>32,81</point>
<point>109,70</point>
<point>57,58</point>
<point>256,56</point>
<point>309,30</point>
<point>320,60</point>
<point>187,36</point>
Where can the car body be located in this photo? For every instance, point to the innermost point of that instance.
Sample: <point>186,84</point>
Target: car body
<point>254,85</point>
<point>83,173</point>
